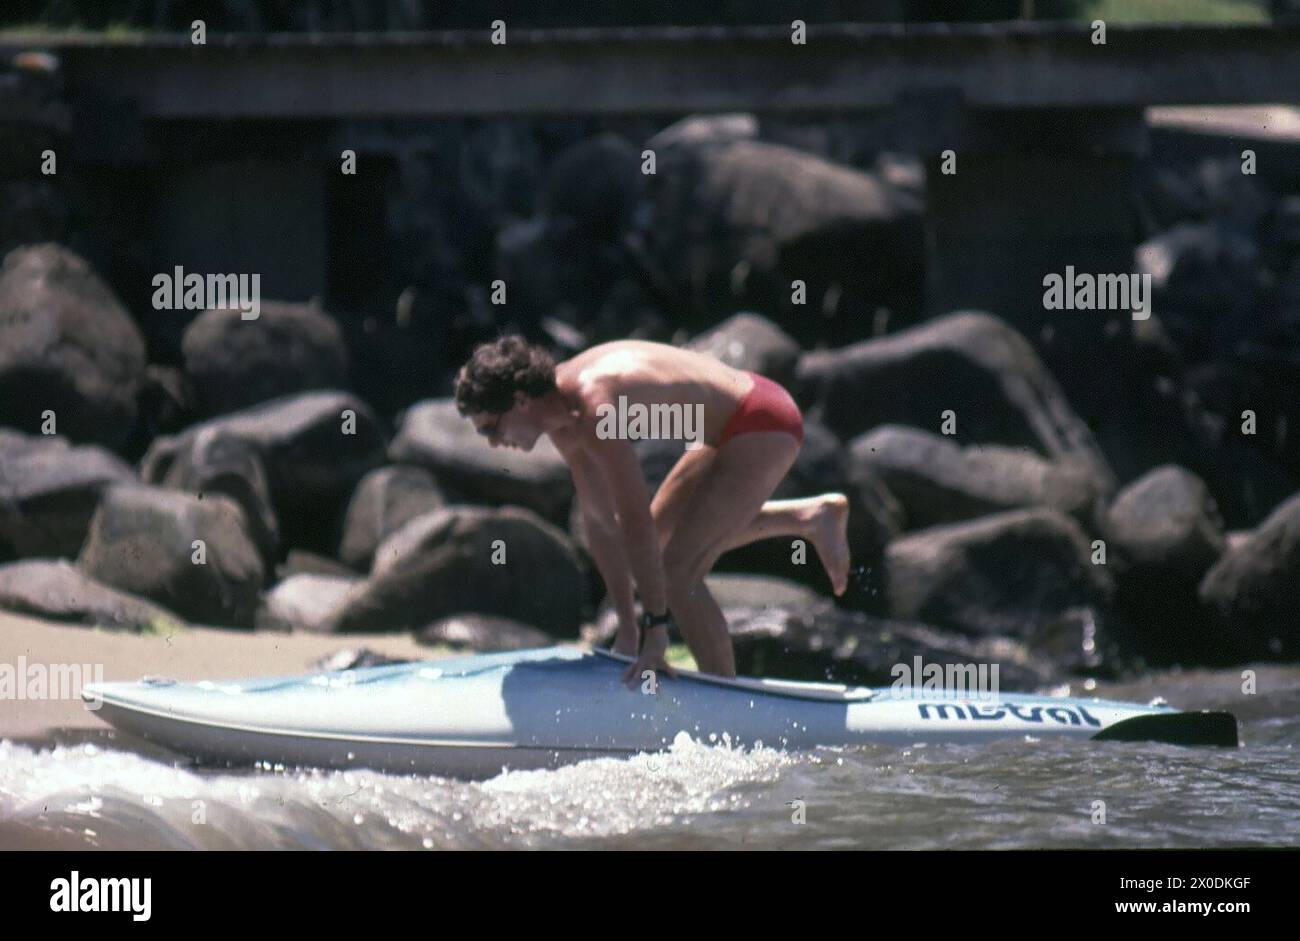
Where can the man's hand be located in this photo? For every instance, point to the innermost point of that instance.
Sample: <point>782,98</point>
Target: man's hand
<point>651,657</point>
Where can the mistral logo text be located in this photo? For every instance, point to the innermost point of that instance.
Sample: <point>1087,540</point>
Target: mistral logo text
<point>76,894</point>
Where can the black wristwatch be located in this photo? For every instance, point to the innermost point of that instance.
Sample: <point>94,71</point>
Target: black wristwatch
<point>648,620</point>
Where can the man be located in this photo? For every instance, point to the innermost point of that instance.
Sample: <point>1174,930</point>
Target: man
<point>745,437</point>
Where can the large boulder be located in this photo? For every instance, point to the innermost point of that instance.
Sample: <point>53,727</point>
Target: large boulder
<point>732,590</point>
<point>751,342</point>
<point>937,481</point>
<point>313,447</point>
<point>596,183</point>
<point>434,435</point>
<point>303,602</point>
<point>705,130</point>
<point>1166,520</point>
<point>1255,587</point>
<point>219,462</point>
<point>142,540</point>
<point>1163,533</point>
<point>1207,281</point>
<point>482,633</point>
<point>49,491</point>
<point>56,590</point>
<point>506,562</point>
<point>564,280</point>
<point>232,363</point>
<point>302,562</point>
<point>68,346</point>
<point>827,643</point>
<point>731,222</point>
<point>385,500</point>
<point>1012,574</point>
<point>779,628</point>
<point>970,363</point>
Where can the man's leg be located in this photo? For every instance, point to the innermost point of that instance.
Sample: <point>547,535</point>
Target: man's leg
<point>822,520</point>
<point>675,492</point>
<point>741,476</point>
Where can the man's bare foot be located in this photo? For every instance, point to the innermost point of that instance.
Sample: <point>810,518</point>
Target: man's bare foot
<point>828,530</point>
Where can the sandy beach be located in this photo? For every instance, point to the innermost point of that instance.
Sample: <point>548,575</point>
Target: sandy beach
<point>191,653</point>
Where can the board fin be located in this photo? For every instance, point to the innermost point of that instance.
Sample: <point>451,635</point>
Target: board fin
<point>1176,728</point>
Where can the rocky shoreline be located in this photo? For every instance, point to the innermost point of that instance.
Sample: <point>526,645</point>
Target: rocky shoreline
<point>996,514</point>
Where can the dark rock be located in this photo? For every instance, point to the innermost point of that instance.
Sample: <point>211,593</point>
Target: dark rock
<point>1007,574</point>
<point>301,562</point>
<point>969,362</point>
<point>1206,281</point>
<point>434,435</point>
<point>1166,520</point>
<point>219,462</point>
<point>233,363</point>
<point>1234,198</point>
<point>1254,588</point>
<point>31,211</point>
<point>555,268</point>
<point>731,223</point>
<point>1210,191</point>
<point>729,590</point>
<point>760,591</point>
<point>303,602</point>
<point>441,563</point>
<point>312,462</point>
<point>57,590</point>
<point>165,402</point>
<point>484,633</point>
<point>753,343</point>
<point>385,500</point>
<point>66,345</point>
<point>49,491</point>
<point>939,482</point>
<point>141,540</point>
<point>596,183</point>
<point>831,644</point>
<point>1163,533</point>
<point>780,629</point>
<point>706,130</point>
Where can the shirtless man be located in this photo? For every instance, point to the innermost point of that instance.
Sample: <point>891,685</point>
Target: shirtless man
<point>715,497</point>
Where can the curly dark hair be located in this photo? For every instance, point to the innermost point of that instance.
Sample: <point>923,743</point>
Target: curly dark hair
<point>496,371</point>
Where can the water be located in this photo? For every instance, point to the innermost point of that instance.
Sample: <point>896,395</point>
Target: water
<point>1005,795</point>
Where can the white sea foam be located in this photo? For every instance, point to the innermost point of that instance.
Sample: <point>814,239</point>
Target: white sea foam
<point>89,796</point>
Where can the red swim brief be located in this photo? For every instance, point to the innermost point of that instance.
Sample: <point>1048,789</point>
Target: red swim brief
<point>765,407</point>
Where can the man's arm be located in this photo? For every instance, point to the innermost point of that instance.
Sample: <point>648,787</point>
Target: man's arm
<point>603,535</point>
<point>630,496</point>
